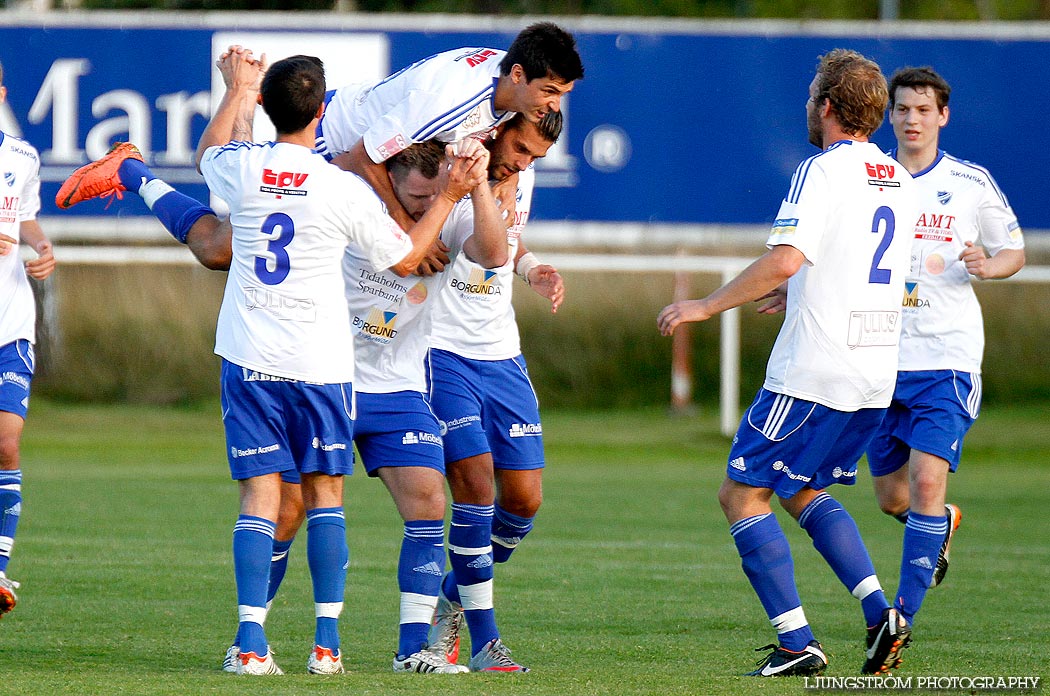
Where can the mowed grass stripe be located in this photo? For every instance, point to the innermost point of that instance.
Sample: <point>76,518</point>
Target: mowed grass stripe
<point>629,585</point>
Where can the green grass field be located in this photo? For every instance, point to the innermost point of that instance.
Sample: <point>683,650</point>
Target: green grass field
<point>629,585</point>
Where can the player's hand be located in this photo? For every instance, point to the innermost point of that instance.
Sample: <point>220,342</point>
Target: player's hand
<point>777,303</point>
<point>466,174</point>
<point>41,267</point>
<point>465,148</point>
<point>6,244</point>
<point>240,70</point>
<point>976,260</point>
<point>506,194</point>
<point>435,260</point>
<point>674,314</point>
<point>547,282</point>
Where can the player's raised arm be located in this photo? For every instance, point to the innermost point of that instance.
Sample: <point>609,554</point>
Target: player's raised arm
<point>242,75</point>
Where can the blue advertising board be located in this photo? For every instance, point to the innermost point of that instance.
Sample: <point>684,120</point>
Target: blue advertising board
<point>703,124</point>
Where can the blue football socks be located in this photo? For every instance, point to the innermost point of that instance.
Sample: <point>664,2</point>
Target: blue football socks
<point>836,537</point>
<point>470,554</point>
<point>923,537</point>
<point>10,510</point>
<point>176,211</point>
<point>328,556</point>
<point>419,570</point>
<point>507,532</point>
<point>252,548</point>
<point>766,558</point>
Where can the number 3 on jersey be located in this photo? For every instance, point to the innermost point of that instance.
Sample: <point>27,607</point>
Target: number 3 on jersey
<point>878,275</point>
<point>280,228</point>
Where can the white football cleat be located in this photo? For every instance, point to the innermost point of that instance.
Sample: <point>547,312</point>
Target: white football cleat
<point>229,663</point>
<point>427,662</point>
<point>324,661</point>
<point>250,663</point>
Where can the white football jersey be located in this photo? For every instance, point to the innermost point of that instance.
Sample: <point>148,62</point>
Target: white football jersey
<point>284,310</point>
<point>849,211</point>
<point>19,200</point>
<point>447,97</point>
<point>943,326</point>
<point>474,316</point>
<point>391,316</point>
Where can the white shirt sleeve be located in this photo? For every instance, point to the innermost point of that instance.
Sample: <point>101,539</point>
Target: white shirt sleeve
<point>802,217</point>
<point>997,224</point>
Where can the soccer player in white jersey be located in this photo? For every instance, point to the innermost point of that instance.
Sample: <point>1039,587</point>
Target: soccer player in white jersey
<point>447,97</point>
<point>841,242</point>
<point>19,204</point>
<point>480,389</point>
<point>965,229</point>
<point>396,432</point>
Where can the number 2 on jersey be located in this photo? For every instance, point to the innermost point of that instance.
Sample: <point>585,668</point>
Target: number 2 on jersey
<point>878,275</point>
<point>276,247</point>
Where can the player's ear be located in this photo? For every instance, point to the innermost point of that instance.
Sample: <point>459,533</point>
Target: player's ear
<point>517,74</point>
<point>944,116</point>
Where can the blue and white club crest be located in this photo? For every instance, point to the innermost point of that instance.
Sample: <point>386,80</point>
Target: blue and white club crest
<point>9,178</point>
<point>944,197</point>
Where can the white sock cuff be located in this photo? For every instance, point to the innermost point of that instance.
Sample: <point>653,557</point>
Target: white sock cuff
<point>470,550</point>
<point>251,614</point>
<point>866,586</point>
<point>328,610</point>
<point>478,596</point>
<point>153,190</point>
<point>789,620</point>
<point>417,608</point>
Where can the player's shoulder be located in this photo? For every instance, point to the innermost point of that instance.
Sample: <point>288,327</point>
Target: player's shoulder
<point>19,147</point>
<point>960,168</point>
<point>234,149</point>
<point>816,164</point>
<point>459,69</point>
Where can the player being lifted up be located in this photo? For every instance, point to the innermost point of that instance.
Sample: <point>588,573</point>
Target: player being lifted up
<point>446,97</point>
<point>837,243</point>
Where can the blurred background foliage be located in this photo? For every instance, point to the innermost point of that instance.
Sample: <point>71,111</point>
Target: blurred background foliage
<point>952,10</point>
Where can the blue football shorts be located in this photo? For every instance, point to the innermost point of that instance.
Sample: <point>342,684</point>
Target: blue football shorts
<point>787,444</point>
<point>16,374</point>
<point>932,410</point>
<point>275,424</point>
<point>486,406</point>
<point>397,429</point>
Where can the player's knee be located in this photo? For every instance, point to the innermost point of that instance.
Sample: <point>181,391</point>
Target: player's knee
<point>892,505</point>
<point>9,451</point>
<point>726,499</point>
<point>471,486</point>
<point>927,486</point>
<point>521,503</point>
